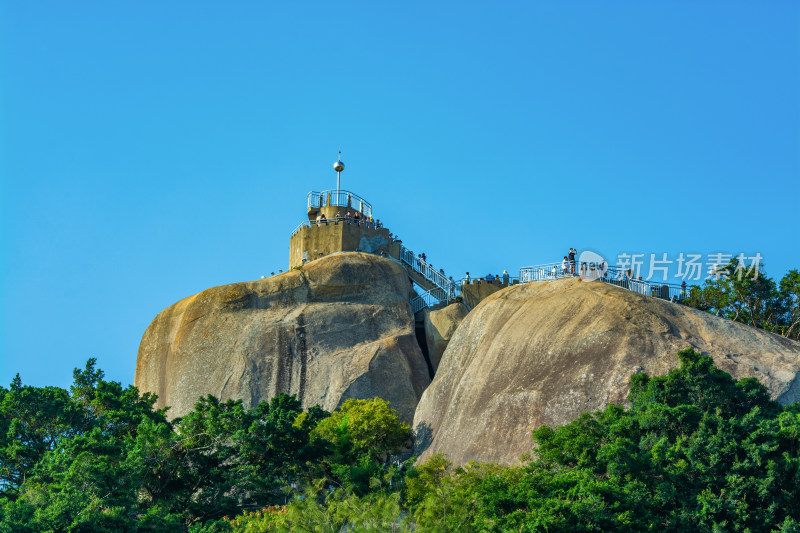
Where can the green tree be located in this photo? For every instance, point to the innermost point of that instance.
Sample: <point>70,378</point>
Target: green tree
<point>100,458</point>
<point>223,457</point>
<point>697,450</point>
<point>36,420</point>
<point>751,298</point>
<point>790,293</point>
<point>365,428</point>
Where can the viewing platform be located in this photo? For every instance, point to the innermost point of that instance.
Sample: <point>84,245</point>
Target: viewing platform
<point>330,202</point>
<point>342,221</point>
<point>338,221</point>
<point>605,274</point>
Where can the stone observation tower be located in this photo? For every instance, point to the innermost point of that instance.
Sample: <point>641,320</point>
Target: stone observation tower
<point>325,233</point>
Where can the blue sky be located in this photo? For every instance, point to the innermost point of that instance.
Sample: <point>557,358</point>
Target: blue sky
<point>150,150</point>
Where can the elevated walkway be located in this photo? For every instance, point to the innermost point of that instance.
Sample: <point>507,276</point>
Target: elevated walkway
<point>438,287</point>
<point>605,274</point>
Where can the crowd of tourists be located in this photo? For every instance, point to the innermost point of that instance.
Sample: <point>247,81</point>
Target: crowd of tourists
<point>503,278</point>
<point>349,217</point>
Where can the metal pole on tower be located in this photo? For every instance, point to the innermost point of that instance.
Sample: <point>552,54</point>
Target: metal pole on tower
<point>338,167</point>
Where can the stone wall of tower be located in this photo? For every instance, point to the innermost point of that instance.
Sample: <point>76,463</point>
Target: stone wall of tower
<point>318,240</point>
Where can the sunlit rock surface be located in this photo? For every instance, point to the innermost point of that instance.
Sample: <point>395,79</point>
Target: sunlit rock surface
<point>339,328</point>
<point>543,353</point>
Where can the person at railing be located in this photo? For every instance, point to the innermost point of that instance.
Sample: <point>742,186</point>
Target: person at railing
<point>565,266</point>
<point>357,218</point>
<point>424,258</point>
<point>683,289</point>
<point>339,217</point>
<point>489,278</point>
<point>572,253</point>
<point>323,219</point>
<point>583,268</point>
<point>467,280</point>
<point>505,277</point>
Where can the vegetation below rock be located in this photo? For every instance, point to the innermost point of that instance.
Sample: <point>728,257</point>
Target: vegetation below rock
<point>754,300</point>
<point>696,451</point>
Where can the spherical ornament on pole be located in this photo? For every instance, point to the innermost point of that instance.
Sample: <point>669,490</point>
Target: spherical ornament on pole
<point>338,166</point>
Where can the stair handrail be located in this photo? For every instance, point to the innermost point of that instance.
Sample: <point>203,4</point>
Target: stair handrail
<point>450,288</point>
<point>425,299</point>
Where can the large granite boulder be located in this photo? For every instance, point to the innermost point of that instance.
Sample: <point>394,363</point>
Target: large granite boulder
<point>339,328</point>
<point>543,353</point>
<point>440,324</point>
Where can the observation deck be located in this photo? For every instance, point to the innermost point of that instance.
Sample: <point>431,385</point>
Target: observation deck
<point>329,202</point>
<point>338,221</point>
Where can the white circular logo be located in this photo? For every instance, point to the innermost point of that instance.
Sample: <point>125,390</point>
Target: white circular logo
<point>591,266</point>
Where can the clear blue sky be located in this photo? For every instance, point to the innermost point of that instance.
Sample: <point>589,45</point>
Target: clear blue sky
<point>150,150</point>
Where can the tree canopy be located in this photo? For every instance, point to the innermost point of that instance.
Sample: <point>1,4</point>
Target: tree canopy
<point>695,451</point>
<point>751,298</point>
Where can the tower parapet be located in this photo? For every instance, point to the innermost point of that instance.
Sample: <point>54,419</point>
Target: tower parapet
<point>329,229</point>
<point>338,221</point>
<point>328,203</point>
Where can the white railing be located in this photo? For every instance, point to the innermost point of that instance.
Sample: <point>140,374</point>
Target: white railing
<point>300,226</point>
<point>447,288</point>
<point>426,299</point>
<point>339,198</point>
<point>546,272</point>
<point>332,222</point>
<point>610,275</point>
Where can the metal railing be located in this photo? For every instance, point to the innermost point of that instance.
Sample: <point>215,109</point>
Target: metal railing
<point>546,272</point>
<point>657,289</point>
<point>496,280</point>
<point>339,198</point>
<point>447,288</point>
<point>332,222</point>
<point>610,275</point>
<point>426,299</point>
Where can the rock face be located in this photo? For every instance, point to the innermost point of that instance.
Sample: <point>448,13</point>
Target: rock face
<point>543,353</point>
<point>440,324</point>
<point>477,291</point>
<point>340,328</point>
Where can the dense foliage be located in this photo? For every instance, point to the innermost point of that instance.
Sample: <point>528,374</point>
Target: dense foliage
<point>695,451</point>
<point>752,298</point>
